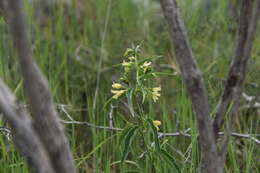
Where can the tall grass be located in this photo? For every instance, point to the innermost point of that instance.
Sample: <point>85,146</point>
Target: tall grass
<point>75,51</point>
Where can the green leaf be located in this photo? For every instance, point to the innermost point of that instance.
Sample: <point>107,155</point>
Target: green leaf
<point>155,74</point>
<point>170,159</point>
<point>144,93</point>
<point>129,96</point>
<point>128,140</point>
<point>149,59</point>
<point>162,151</point>
<point>155,134</point>
<point>108,102</point>
<point>163,74</point>
<point>128,52</point>
<point>130,162</point>
<point>124,132</point>
<point>83,159</point>
<point>137,49</point>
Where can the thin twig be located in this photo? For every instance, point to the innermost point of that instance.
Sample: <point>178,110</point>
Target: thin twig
<point>160,134</point>
<point>244,135</point>
<point>179,133</point>
<point>91,125</point>
<point>62,107</point>
<point>164,134</point>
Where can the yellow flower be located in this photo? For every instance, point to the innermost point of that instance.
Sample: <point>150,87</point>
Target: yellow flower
<point>117,93</point>
<point>155,93</point>
<point>157,123</point>
<point>131,58</point>
<point>117,86</point>
<point>126,64</point>
<point>146,65</point>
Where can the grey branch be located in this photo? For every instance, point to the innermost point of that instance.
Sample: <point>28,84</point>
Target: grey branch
<point>164,134</point>
<point>245,37</point>
<point>45,117</point>
<point>194,84</point>
<point>23,133</point>
<point>91,125</point>
<point>160,134</point>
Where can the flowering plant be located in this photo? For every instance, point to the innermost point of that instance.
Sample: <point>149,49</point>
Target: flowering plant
<point>136,89</point>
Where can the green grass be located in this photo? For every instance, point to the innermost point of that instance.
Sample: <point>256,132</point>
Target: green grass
<point>69,49</point>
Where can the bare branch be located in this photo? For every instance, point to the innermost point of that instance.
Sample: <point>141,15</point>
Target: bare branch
<point>44,114</point>
<point>91,125</point>
<point>180,133</point>
<point>236,75</point>
<point>25,138</point>
<point>241,135</point>
<point>164,134</point>
<point>194,84</point>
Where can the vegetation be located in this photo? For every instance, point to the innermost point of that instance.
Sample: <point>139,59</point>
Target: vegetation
<point>80,48</point>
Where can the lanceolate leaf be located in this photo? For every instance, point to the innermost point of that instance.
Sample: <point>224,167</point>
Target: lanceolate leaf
<point>149,59</point>
<point>144,93</point>
<point>128,140</point>
<point>124,132</point>
<point>130,101</point>
<point>132,172</point>
<point>155,135</point>
<point>170,159</point>
<point>163,152</point>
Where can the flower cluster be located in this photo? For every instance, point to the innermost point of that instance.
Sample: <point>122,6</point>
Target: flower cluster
<point>155,93</point>
<point>119,92</point>
<point>136,87</point>
<point>126,65</point>
<point>157,123</point>
<point>141,71</point>
<point>146,65</point>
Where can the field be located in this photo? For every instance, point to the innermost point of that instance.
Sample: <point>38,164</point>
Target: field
<point>79,48</point>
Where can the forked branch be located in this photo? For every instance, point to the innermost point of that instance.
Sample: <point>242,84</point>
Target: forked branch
<point>247,27</point>
<point>45,117</point>
<point>23,133</point>
<point>194,84</point>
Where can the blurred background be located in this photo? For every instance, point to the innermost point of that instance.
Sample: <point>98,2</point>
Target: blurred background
<point>79,45</point>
